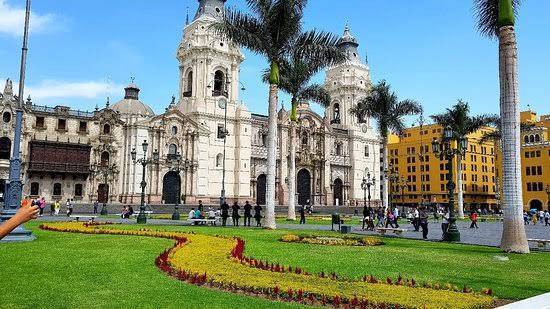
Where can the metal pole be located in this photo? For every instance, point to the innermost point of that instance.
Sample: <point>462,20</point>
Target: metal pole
<point>223,163</point>
<point>142,219</point>
<point>452,233</point>
<point>15,186</point>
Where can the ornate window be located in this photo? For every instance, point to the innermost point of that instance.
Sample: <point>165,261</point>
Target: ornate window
<point>78,190</point>
<point>526,139</point>
<point>35,188</point>
<point>537,138</point>
<point>83,127</point>
<point>105,158</point>
<point>219,84</point>
<point>189,86</point>
<point>336,114</point>
<point>219,160</point>
<point>39,124</point>
<point>339,149</point>
<point>106,128</point>
<point>531,139</point>
<point>174,130</point>
<point>57,189</point>
<point>5,148</point>
<point>172,150</point>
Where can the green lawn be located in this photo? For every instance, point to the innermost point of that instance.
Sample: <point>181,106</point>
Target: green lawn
<point>74,270</point>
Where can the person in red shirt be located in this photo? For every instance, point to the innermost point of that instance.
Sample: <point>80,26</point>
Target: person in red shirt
<point>473,218</point>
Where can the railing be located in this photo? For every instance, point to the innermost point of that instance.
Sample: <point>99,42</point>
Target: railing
<point>219,93</point>
<point>69,168</point>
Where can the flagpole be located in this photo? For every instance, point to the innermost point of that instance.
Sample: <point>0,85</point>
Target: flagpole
<point>15,186</point>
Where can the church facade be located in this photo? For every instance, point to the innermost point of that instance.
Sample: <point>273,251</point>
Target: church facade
<point>206,141</point>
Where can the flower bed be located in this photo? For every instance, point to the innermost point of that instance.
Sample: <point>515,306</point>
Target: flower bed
<point>220,263</point>
<point>333,241</point>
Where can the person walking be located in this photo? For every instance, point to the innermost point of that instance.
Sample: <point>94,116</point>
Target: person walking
<point>380,217</point>
<point>365,216</point>
<point>423,222</point>
<point>69,208</point>
<point>416,219</point>
<point>201,206</point>
<point>52,208</point>
<point>96,205</point>
<point>225,213</point>
<point>41,205</point>
<point>258,215</point>
<point>57,207</point>
<point>525,218</point>
<point>473,219</point>
<point>396,217</point>
<point>302,215</point>
<point>535,218</point>
<point>370,220</point>
<point>247,213</point>
<point>546,218</point>
<point>235,214</point>
<point>389,219</point>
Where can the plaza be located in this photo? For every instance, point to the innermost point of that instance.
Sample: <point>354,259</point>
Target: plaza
<point>273,154</point>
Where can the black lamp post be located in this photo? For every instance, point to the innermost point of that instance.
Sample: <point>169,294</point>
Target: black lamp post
<point>142,219</point>
<point>365,185</point>
<point>444,150</point>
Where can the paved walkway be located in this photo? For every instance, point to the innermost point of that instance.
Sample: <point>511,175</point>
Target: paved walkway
<point>487,234</point>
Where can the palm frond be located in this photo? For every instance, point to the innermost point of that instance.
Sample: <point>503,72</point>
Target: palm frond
<point>319,49</point>
<point>316,93</point>
<point>487,15</point>
<point>243,29</point>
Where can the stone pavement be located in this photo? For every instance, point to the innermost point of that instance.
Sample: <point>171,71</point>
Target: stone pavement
<point>488,233</point>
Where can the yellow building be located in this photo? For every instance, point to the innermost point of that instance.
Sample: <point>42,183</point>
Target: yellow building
<point>423,177</point>
<point>535,160</point>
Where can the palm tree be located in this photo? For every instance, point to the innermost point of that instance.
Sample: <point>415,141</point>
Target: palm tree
<point>496,19</point>
<point>383,105</point>
<point>462,124</point>
<point>273,28</point>
<point>295,77</point>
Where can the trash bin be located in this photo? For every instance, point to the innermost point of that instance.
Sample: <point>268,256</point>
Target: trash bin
<point>336,220</point>
<point>345,229</point>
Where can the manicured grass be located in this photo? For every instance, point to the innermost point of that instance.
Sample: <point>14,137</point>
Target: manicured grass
<point>74,270</point>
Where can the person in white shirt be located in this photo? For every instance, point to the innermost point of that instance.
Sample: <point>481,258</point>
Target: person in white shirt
<point>396,216</point>
<point>416,220</point>
<point>192,214</point>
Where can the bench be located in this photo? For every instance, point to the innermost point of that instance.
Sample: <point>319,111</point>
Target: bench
<point>541,243</point>
<point>204,221</point>
<point>77,217</point>
<point>384,230</point>
<point>146,212</point>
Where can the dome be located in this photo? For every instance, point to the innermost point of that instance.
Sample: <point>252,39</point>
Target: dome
<point>131,105</point>
<point>348,38</point>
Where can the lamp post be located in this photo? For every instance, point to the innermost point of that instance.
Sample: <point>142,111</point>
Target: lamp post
<point>142,219</point>
<point>444,150</point>
<point>14,188</point>
<point>365,185</point>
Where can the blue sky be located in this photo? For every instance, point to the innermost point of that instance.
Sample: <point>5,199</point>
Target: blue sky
<point>428,50</point>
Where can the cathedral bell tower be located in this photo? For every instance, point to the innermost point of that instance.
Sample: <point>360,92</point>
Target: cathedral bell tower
<point>347,83</point>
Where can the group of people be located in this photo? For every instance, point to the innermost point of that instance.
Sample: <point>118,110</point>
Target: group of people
<point>223,212</point>
<point>536,216</point>
<point>40,203</point>
<point>127,212</point>
<point>383,219</point>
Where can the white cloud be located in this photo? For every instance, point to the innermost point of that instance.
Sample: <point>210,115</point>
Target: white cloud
<point>12,20</point>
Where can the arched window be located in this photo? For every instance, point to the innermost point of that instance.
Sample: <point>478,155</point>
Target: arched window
<point>107,129</point>
<point>219,84</point>
<point>56,189</point>
<point>174,130</point>
<point>305,141</point>
<point>219,160</point>
<point>189,87</point>
<point>35,188</point>
<point>5,148</point>
<point>336,114</point>
<point>105,158</point>
<point>537,138</point>
<point>526,139</point>
<point>6,117</point>
<point>78,190</point>
<point>338,149</point>
<point>172,149</point>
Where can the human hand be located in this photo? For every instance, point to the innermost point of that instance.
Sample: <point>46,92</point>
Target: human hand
<point>26,213</point>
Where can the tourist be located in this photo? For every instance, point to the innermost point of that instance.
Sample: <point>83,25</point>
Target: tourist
<point>24,214</point>
<point>191,215</point>
<point>380,217</point>
<point>41,205</point>
<point>541,216</point>
<point>235,213</point>
<point>247,213</point>
<point>258,215</point>
<point>535,218</point>
<point>416,219</point>
<point>473,218</point>
<point>124,212</point>
<point>52,209</point>
<point>130,211</point>
<point>201,206</point>
<point>423,221</point>
<point>96,205</point>
<point>199,214</point>
<point>370,225</point>
<point>396,216</point>
<point>365,216</point>
<point>546,218</point>
<point>57,207</point>
<point>525,218</point>
<point>211,216</point>
<point>389,219</point>
<point>302,215</point>
<point>225,213</point>
<point>69,208</point>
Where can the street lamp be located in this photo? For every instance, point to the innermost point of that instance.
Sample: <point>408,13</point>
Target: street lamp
<point>365,185</point>
<point>142,219</point>
<point>444,150</point>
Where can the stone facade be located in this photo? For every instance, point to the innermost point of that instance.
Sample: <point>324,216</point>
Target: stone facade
<point>334,151</point>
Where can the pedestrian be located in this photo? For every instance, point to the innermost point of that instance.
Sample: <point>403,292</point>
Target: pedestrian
<point>69,208</point>
<point>57,207</point>
<point>416,219</point>
<point>546,218</point>
<point>365,216</point>
<point>389,219</point>
<point>225,213</point>
<point>535,218</point>
<point>235,213</point>
<point>396,217</point>
<point>380,217</point>
<point>52,209</point>
<point>41,204</point>
<point>525,218</point>
<point>370,223</point>
<point>191,214</point>
<point>423,222</point>
<point>473,219</point>
<point>302,215</point>
<point>258,215</point>
<point>201,206</point>
<point>541,216</point>
<point>96,205</point>
<point>247,213</point>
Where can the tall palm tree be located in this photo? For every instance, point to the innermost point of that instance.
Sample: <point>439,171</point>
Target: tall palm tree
<point>295,77</point>
<point>273,28</point>
<point>496,19</point>
<point>383,105</point>
<point>459,120</point>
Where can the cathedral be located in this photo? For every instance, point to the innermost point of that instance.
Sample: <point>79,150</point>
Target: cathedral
<point>206,141</point>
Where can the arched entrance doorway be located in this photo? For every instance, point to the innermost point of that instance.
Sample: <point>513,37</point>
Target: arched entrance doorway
<point>304,187</point>
<point>171,188</point>
<point>103,193</point>
<point>261,187</point>
<point>535,204</point>
<point>338,189</point>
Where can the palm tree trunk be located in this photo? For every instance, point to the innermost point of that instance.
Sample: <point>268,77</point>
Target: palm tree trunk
<point>513,233</point>
<point>460,200</point>
<point>385,180</point>
<point>272,147</point>
<point>292,175</point>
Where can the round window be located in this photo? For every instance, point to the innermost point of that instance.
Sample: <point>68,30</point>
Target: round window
<point>6,117</point>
